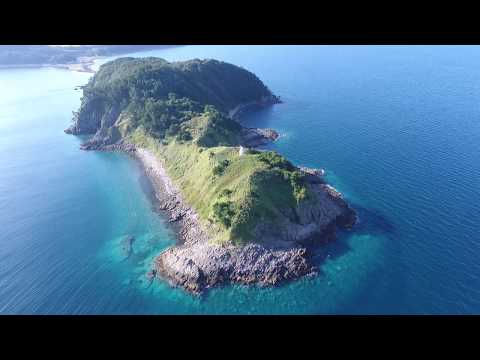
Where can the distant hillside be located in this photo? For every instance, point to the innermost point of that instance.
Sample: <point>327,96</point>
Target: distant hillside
<point>44,55</point>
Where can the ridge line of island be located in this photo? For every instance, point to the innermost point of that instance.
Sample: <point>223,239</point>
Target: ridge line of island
<point>243,215</point>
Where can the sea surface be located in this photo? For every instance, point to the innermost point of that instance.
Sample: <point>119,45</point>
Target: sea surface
<point>397,129</point>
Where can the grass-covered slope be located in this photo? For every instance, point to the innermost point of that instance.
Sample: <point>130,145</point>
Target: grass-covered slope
<point>178,112</point>
<point>231,193</point>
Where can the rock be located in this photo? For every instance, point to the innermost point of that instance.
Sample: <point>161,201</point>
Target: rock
<point>313,176</point>
<point>202,265</point>
<point>253,137</point>
<point>151,274</point>
<point>313,172</point>
<point>119,146</point>
<point>127,245</point>
<point>263,102</point>
<point>93,112</point>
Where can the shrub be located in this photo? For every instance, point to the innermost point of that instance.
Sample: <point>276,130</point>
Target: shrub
<point>220,168</point>
<point>274,160</point>
<point>226,193</point>
<point>299,189</point>
<point>184,135</point>
<point>223,211</point>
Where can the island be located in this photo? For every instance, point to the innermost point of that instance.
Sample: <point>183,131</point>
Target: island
<point>242,214</point>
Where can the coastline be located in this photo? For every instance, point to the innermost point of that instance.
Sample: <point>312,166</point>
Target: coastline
<point>195,264</point>
<point>241,109</point>
<point>83,65</point>
<point>271,248</point>
<point>170,200</point>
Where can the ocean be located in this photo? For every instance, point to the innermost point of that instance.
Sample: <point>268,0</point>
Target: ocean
<point>397,129</point>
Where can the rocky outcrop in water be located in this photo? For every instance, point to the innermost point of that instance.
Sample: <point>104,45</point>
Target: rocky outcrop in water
<point>118,146</point>
<point>201,266</point>
<point>127,245</point>
<point>254,137</point>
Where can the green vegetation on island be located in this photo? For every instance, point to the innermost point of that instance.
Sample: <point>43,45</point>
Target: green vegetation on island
<point>178,111</point>
<point>207,82</point>
<point>230,191</point>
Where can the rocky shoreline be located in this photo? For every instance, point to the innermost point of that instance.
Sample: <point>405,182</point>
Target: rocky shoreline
<point>254,137</point>
<point>196,265</point>
<point>280,249</point>
<point>241,109</point>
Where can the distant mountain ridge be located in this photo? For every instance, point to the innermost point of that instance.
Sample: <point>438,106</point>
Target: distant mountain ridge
<point>54,55</point>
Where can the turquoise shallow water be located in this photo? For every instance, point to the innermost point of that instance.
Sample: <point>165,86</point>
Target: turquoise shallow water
<point>397,129</point>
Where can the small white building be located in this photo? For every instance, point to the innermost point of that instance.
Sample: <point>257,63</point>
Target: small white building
<point>241,151</point>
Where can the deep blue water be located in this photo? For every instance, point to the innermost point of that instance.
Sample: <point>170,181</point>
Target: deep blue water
<point>397,129</point>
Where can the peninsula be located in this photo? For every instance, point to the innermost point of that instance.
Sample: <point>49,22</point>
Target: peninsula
<point>243,215</point>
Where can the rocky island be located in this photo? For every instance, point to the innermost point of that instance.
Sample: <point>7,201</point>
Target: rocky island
<point>242,215</point>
